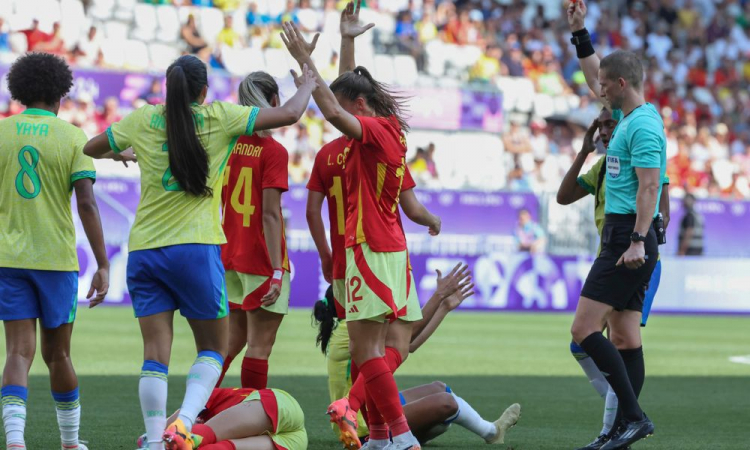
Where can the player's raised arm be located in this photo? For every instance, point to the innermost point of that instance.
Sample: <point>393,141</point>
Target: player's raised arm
<point>290,112</point>
<point>452,289</point>
<point>587,57</point>
<point>324,98</point>
<point>570,190</point>
<point>350,28</point>
<point>417,213</point>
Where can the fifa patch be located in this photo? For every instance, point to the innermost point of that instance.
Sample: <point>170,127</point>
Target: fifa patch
<point>613,166</point>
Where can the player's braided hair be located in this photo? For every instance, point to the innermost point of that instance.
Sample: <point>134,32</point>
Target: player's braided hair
<point>383,101</point>
<point>39,78</point>
<point>258,89</point>
<point>324,315</point>
<point>188,160</point>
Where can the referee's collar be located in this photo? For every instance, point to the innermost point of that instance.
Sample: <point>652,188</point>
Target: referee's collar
<point>38,112</point>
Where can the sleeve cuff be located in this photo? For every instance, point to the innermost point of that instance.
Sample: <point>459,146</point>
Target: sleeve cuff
<point>250,127</point>
<point>586,186</point>
<point>111,139</point>
<point>91,174</point>
<point>665,180</point>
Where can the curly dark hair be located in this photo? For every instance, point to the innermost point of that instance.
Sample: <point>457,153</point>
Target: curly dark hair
<point>39,77</point>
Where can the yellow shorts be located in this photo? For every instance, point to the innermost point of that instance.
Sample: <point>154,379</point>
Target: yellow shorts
<point>376,284</point>
<point>287,417</point>
<point>247,290</point>
<point>413,308</point>
<point>339,364</point>
<point>339,292</point>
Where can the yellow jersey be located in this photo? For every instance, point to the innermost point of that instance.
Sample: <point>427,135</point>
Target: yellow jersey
<point>40,158</point>
<point>166,215</point>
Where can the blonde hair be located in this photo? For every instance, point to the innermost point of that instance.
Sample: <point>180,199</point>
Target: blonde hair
<point>258,89</point>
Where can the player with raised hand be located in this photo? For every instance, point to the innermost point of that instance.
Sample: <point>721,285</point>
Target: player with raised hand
<point>377,274</point>
<point>615,290</point>
<point>255,256</point>
<point>42,162</point>
<point>174,261</point>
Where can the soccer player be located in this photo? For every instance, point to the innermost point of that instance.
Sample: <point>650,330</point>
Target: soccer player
<point>245,419</point>
<point>174,261</point>
<point>572,189</point>
<point>377,273</point>
<point>615,289</point>
<point>255,256</point>
<point>431,408</point>
<point>42,162</point>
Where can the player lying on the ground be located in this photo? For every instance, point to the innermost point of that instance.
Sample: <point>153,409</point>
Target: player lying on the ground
<point>429,409</point>
<point>572,189</point>
<point>242,419</point>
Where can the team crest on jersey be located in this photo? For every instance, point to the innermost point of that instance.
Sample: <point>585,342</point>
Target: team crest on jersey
<point>613,166</point>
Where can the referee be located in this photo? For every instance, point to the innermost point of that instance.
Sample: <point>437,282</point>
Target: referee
<point>615,288</point>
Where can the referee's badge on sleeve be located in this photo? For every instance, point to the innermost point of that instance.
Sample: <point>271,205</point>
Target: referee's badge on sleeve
<point>613,166</point>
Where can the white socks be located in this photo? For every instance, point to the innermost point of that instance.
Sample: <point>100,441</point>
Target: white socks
<point>200,383</point>
<point>610,411</point>
<point>152,390</point>
<point>468,418</point>
<point>14,415</point>
<point>68,407</point>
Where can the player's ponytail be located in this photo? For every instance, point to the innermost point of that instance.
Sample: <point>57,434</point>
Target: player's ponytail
<point>324,314</point>
<point>383,101</point>
<point>188,160</point>
<point>258,89</point>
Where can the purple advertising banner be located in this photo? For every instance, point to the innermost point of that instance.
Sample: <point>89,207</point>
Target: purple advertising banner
<point>447,109</point>
<point>477,230</point>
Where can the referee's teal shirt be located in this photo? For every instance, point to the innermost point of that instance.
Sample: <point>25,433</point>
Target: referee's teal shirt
<point>637,141</point>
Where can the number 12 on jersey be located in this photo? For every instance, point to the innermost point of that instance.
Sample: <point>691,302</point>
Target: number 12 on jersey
<point>241,197</point>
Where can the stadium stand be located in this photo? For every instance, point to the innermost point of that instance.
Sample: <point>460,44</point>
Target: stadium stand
<point>696,52</point>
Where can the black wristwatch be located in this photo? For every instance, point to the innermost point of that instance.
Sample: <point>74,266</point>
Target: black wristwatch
<point>637,237</point>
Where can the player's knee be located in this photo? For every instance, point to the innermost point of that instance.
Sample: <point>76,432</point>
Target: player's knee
<point>625,341</point>
<point>55,356</point>
<point>579,332</point>
<point>439,386</point>
<point>448,406</point>
<point>23,352</point>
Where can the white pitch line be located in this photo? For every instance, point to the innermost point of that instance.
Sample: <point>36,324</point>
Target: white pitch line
<point>740,359</point>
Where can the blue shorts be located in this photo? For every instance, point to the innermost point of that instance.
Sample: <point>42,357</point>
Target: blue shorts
<point>188,277</point>
<point>48,295</point>
<point>653,286</point>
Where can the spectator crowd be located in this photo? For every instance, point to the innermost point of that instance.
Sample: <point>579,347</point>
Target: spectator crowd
<point>696,55</point>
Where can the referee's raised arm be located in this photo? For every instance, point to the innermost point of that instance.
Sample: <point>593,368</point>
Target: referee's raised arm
<point>587,57</point>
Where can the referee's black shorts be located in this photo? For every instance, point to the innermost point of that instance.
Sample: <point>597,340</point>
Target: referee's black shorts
<point>618,286</point>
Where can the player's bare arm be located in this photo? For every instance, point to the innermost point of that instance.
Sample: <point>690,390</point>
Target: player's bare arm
<point>417,213</point>
<point>350,28</point>
<point>290,112</point>
<point>318,232</point>
<point>324,98</point>
<point>570,191</point>
<point>272,222</point>
<point>88,211</point>
<point>664,204</point>
<point>590,64</point>
<point>649,181</point>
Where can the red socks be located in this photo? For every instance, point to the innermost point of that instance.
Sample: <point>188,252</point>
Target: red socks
<point>227,362</point>
<point>382,390</point>
<point>205,432</point>
<point>223,445</point>
<point>254,373</point>
<point>357,392</point>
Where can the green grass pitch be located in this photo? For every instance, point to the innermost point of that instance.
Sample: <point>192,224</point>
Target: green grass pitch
<point>695,395</point>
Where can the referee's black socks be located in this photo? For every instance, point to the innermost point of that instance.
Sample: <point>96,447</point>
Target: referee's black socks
<point>613,366</point>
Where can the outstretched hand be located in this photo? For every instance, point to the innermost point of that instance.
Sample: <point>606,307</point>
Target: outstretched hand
<point>349,24</point>
<point>295,42</point>
<point>306,79</point>
<point>456,280</point>
<point>576,14</point>
<point>125,157</point>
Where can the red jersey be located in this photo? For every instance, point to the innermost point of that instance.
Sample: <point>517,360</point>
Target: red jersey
<point>222,399</point>
<point>327,177</point>
<point>375,168</point>
<point>256,163</point>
